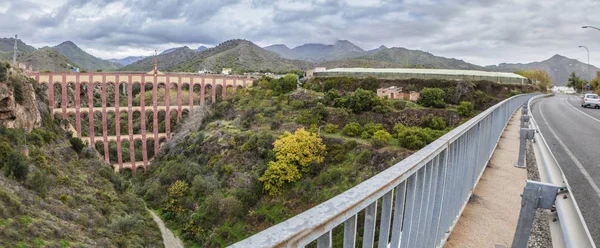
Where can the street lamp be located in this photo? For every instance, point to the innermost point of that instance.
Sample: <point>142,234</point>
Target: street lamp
<point>591,27</point>
<point>588,64</point>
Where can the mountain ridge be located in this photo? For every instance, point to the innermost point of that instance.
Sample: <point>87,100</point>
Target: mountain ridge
<point>87,61</point>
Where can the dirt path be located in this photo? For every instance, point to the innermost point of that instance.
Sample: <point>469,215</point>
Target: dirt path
<point>169,238</point>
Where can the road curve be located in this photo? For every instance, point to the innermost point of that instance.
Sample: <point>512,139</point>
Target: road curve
<point>573,134</point>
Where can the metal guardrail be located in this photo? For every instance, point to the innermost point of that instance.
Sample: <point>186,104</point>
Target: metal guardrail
<point>568,226</point>
<point>421,197</point>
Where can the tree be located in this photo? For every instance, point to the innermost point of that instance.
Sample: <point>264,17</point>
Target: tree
<point>363,100</point>
<point>293,155</point>
<point>539,77</point>
<point>352,129</point>
<point>380,138</point>
<point>432,97</point>
<point>575,81</point>
<point>595,83</point>
<point>465,109</point>
<point>76,144</point>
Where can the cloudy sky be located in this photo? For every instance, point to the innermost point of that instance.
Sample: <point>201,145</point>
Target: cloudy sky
<point>482,32</point>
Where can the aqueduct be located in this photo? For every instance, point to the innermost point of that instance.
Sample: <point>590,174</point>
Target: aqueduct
<point>75,97</point>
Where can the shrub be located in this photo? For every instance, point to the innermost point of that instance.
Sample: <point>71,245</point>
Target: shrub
<point>371,128</point>
<point>331,128</point>
<point>18,91</point>
<point>380,138</point>
<point>413,138</point>
<point>363,100</point>
<point>5,150</point>
<point>16,166</point>
<point>297,104</point>
<point>398,128</point>
<point>432,97</point>
<point>4,71</point>
<point>76,144</point>
<point>64,198</point>
<point>465,109</point>
<point>307,117</point>
<point>433,122</point>
<point>38,182</point>
<point>352,129</point>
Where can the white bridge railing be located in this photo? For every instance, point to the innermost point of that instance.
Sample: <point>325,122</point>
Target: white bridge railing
<point>416,202</point>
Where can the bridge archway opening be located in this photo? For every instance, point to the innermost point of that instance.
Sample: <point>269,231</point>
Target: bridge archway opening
<point>97,123</point>
<point>123,94</point>
<point>112,152</point>
<point>99,146</point>
<point>110,123</point>
<point>85,127</point>
<point>57,94</point>
<point>208,94</point>
<point>123,122</point>
<point>126,172</point>
<point>148,94</point>
<point>219,93</point>
<point>140,169</point>
<point>137,143</point>
<point>184,114</point>
<point>135,94</point>
<point>229,91</point>
<point>137,125</point>
<point>71,119</point>
<point>162,141</point>
<point>150,148</point>
<point>196,94</point>
<point>110,94</point>
<point>97,95</point>
<point>125,151</point>
<point>149,121</point>
<point>161,121</point>
<point>173,119</point>
<point>71,95</point>
<point>83,95</point>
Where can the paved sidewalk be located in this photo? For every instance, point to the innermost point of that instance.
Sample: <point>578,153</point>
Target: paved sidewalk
<point>490,218</point>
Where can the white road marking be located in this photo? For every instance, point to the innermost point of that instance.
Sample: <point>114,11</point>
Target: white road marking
<point>579,110</point>
<point>577,163</point>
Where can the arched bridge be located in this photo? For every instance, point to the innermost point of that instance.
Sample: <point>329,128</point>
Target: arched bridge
<point>118,98</point>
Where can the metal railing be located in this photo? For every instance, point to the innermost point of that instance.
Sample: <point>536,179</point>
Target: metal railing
<point>421,197</point>
<point>568,228</point>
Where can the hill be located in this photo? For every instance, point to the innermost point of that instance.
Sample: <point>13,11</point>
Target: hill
<point>7,46</point>
<point>558,68</point>
<point>165,60</point>
<point>201,48</point>
<point>84,59</point>
<point>127,60</point>
<point>319,52</point>
<point>60,194</point>
<point>47,59</point>
<point>241,55</point>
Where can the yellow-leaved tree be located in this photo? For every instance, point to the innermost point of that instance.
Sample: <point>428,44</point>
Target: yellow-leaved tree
<point>293,154</point>
<point>540,78</point>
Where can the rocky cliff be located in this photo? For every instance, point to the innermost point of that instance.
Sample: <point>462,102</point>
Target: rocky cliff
<point>19,103</point>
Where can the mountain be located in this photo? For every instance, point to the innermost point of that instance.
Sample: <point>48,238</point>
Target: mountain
<point>7,46</point>
<point>342,49</point>
<point>201,48</point>
<point>558,68</point>
<point>170,50</point>
<point>416,58</point>
<point>47,59</point>
<point>127,60</point>
<point>165,60</point>
<point>84,59</point>
<point>241,56</point>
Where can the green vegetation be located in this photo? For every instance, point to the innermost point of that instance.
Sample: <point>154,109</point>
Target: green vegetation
<point>540,78</point>
<point>432,97</point>
<point>465,109</point>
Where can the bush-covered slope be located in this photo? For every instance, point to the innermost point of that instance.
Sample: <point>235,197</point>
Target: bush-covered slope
<point>47,59</point>
<point>212,182</point>
<point>62,195</point>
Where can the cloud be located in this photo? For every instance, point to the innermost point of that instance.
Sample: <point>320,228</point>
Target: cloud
<point>478,31</point>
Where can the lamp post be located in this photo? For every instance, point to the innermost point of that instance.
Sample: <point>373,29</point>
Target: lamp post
<point>588,64</point>
<point>591,27</point>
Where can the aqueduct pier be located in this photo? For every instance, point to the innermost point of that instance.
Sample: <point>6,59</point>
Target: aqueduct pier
<point>98,96</point>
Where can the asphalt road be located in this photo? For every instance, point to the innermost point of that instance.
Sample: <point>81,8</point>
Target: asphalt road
<point>573,134</point>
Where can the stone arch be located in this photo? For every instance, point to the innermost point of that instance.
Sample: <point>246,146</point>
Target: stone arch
<point>148,86</point>
<point>161,90</point>
<point>110,94</point>
<point>57,95</point>
<point>70,94</point>
<point>137,121</point>
<point>238,87</point>
<point>97,97</point>
<point>184,114</point>
<point>229,91</point>
<point>149,120</point>
<point>161,121</point>
<point>111,123</point>
<point>197,88</point>
<point>125,150</point>
<point>140,169</point>
<point>83,95</point>
<point>162,141</point>
<point>126,172</point>
<point>97,123</point>
<point>72,120</point>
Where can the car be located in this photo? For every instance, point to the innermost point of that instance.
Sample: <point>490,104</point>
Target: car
<point>591,100</point>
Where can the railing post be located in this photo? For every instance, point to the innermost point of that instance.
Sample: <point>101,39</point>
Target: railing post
<point>535,195</point>
<point>524,121</point>
<point>526,134</point>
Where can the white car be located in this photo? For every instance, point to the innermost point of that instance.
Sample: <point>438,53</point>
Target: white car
<point>591,100</point>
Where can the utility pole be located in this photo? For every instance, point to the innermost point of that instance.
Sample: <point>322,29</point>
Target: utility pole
<point>15,53</point>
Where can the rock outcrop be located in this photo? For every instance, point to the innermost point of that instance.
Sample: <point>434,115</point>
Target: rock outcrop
<point>18,103</point>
